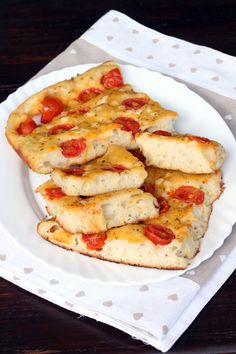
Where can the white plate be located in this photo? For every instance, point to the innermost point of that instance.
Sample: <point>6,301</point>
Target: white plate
<point>21,209</point>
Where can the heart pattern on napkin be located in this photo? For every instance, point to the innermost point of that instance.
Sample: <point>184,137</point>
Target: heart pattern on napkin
<point>110,38</point>
<point>173,297</point>
<point>137,316</point>
<point>144,288</point>
<point>3,257</point>
<point>53,281</point>
<point>80,293</point>
<point>28,270</point>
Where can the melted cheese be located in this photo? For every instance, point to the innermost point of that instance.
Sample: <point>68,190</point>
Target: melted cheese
<point>130,233</point>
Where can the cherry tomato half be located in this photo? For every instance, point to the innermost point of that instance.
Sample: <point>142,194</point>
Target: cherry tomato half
<point>162,132</point>
<point>112,79</point>
<point>95,241</point>
<point>163,205</point>
<point>158,234</point>
<point>188,194</point>
<point>135,103</point>
<point>89,93</point>
<point>26,127</point>
<point>75,171</point>
<point>73,147</point>
<point>128,124</point>
<point>54,193</point>
<point>50,108</point>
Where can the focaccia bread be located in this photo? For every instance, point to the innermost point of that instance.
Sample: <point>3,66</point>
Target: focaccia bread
<point>117,169</point>
<point>79,130</point>
<point>138,244</point>
<point>186,153</point>
<point>75,120</point>
<point>98,213</point>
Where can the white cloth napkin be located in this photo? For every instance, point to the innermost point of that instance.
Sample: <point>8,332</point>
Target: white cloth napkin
<point>156,313</point>
<point>132,42</point>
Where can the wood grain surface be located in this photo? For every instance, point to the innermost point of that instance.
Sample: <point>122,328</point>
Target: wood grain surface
<point>31,34</point>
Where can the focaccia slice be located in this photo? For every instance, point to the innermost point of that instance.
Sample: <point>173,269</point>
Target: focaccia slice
<point>176,186</point>
<point>117,169</point>
<point>27,127</point>
<point>43,152</point>
<point>186,153</point>
<point>62,96</point>
<point>129,244</point>
<point>96,107</point>
<point>134,111</point>
<point>98,213</point>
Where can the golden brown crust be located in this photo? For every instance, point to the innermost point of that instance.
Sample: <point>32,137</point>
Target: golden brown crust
<point>117,169</point>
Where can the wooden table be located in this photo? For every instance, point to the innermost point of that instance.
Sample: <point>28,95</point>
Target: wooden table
<point>31,34</point>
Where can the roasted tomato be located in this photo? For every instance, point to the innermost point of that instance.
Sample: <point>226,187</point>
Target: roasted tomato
<point>163,205</point>
<point>60,128</point>
<point>26,127</point>
<point>162,132</point>
<point>95,241</point>
<point>188,194</point>
<point>54,193</point>
<point>135,103</point>
<point>50,108</point>
<point>128,124</point>
<point>89,93</point>
<point>112,79</point>
<point>158,234</point>
<point>75,171</point>
<point>73,147</point>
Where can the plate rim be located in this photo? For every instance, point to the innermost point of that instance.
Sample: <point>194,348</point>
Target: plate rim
<point>80,68</point>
